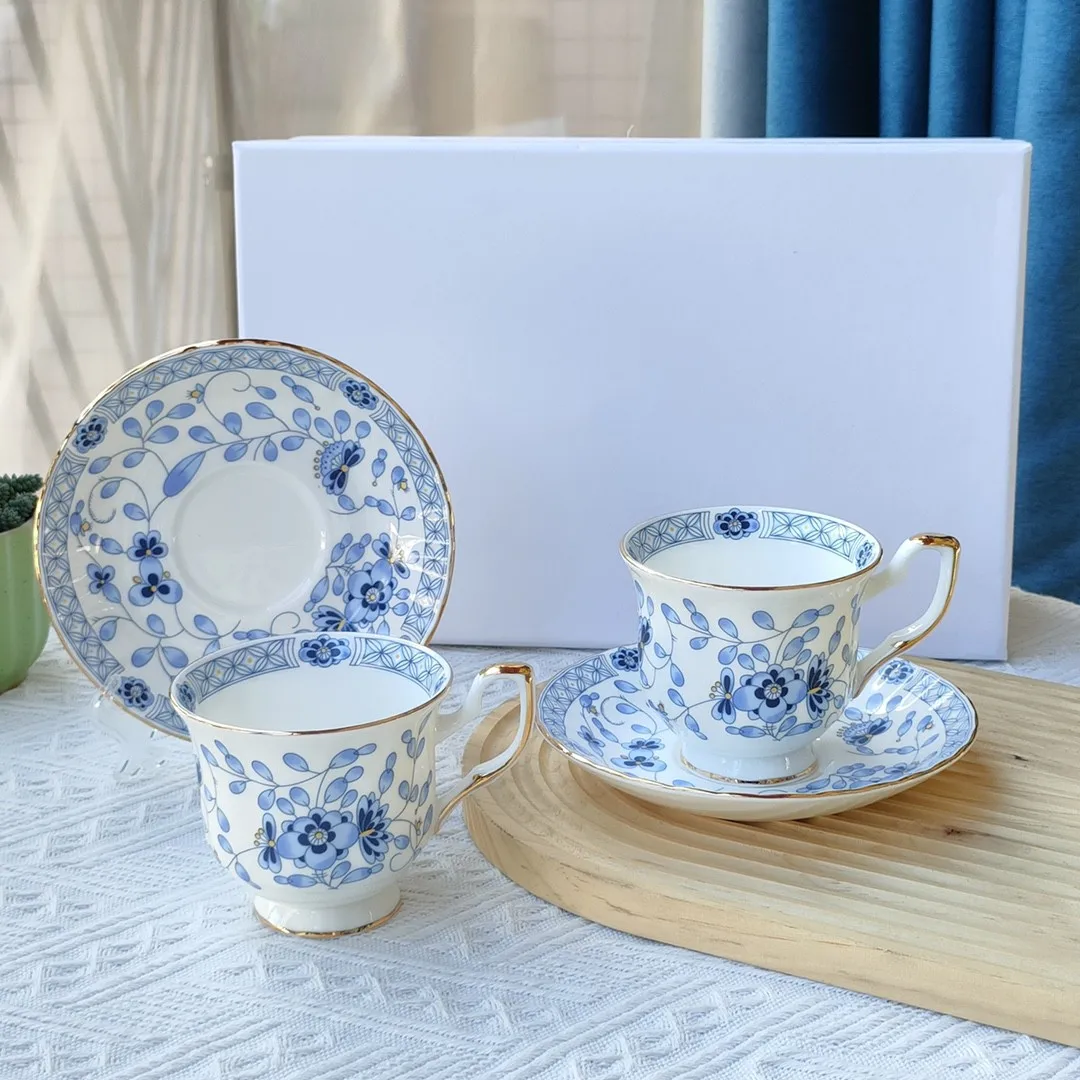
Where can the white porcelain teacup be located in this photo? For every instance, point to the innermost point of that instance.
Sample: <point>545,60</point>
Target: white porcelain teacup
<point>316,759</point>
<point>747,629</point>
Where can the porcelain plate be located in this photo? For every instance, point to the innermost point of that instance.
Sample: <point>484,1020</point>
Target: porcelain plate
<point>234,491</point>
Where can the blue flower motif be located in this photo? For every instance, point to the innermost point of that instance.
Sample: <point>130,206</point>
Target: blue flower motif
<point>723,693</point>
<point>373,823</point>
<point>318,839</point>
<point>135,693</point>
<point>333,462</point>
<point>862,557</point>
<point>326,617</point>
<point>147,546</point>
<point>323,651</point>
<point>644,633</point>
<point>591,739</point>
<point>626,659</point>
<point>187,698</point>
<point>640,759</point>
<point>394,556</point>
<point>860,732</point>
<point>735,524</point>
<point>589,700</point>
<point>818,686</point>
<point>153,583</point>
<point>100,580</point>
<point>770,694</point>
<point>371,592</point>
<point>649,744</point>
<point>359,393</point>
<point>897,671</point>
<point>90,433</point>
<point>265,840</point>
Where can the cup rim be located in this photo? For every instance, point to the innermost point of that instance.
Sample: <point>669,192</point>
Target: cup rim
<point>644,568</point>
<point>432,699</point>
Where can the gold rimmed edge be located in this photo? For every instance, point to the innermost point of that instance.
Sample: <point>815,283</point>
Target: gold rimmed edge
<point>734,796</point>
<point>170,355</point>
<point>430,702</point>
<point>317,934</point>
<point>643,568</point>
<point>720,779</point>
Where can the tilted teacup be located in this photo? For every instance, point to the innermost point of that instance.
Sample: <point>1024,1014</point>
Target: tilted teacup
<point>316,761</point>
<point>747,629</point>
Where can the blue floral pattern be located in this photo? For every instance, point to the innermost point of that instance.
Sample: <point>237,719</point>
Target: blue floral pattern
<point>608,722</point>
<point>323,651</point>
<point>147,441</point>
<point>321,827</point>
<point>736,524</point>
<point>775,682</point>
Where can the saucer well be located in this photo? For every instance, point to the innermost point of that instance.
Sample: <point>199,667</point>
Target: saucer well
<point>232,491</point>
<point>907,725</point>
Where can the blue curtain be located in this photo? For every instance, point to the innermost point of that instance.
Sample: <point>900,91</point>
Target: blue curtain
<point>940,68</point>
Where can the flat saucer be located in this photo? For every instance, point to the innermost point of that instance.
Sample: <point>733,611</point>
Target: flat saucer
<point>908,725</point>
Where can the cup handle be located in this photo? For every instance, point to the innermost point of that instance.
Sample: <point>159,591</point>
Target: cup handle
<point>447,723</point>
<point>948,547</point>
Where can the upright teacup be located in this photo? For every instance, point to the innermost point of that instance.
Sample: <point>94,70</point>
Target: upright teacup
<point>747,629</point>
<point>316,760</point>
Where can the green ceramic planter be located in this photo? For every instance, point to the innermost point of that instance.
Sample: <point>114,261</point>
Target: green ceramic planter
<point>24,624</point>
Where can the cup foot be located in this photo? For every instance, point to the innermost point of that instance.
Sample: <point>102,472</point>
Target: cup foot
<point>339,920</point>
<point>762,771</point>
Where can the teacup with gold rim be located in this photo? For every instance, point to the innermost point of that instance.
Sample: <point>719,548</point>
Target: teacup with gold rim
<point>316,760</point>
<point>748,634</point>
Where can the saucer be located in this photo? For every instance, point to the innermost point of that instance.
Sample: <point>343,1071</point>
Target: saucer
<point>907,725</point>
<point>232,491</point>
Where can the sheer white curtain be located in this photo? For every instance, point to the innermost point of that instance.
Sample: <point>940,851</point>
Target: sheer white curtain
<point>116,118</point>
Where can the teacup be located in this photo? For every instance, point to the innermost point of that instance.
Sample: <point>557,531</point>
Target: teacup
<point>748,629</point>
<point>316,761</point>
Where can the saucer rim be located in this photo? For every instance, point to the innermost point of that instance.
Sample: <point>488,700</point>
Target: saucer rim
<point>171,354</point>
<point>735,796</point>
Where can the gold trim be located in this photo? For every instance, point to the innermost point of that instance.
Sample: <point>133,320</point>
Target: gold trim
<point>526,672</point>
<point>643,568</point>
<point>734,796</point>
<point>752,783</point>
<point>171,354</point>
<point>351,634</point>
<point>330,933</point>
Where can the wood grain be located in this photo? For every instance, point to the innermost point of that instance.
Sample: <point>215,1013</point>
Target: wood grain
<point>961,895</point>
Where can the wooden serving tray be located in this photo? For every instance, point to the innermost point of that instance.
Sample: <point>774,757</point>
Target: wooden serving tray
<point>961,895</point>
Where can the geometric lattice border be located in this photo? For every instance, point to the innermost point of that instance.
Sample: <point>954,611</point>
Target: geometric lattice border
<point>815,530</point>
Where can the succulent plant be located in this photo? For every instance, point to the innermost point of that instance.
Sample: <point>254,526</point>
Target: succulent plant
<point>18,494</point>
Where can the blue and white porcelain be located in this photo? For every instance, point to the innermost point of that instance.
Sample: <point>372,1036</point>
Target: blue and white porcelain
<point>229,492</point>
<point>748,636</point>
<point>316,762</point>
<point>907,725</point>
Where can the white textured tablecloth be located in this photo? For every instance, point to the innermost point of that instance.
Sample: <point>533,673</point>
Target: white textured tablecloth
<point>126,951</point>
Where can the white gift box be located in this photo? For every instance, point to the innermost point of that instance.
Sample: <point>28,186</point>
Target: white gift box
<point>593,332</point>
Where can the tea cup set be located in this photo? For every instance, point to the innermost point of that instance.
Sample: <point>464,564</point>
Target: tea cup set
<point>248,544</point>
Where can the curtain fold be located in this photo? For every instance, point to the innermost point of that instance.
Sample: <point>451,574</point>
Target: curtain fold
<point>961,68</point>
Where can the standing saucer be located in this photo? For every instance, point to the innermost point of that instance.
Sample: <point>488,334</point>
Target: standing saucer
<point>907,725</point>
<point>233,491</point>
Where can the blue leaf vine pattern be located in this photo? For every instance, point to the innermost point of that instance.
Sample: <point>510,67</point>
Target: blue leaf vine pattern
<point>321,827</point>
<point>595,710</point>
<point>366,582</point>
<point>772,682</point>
